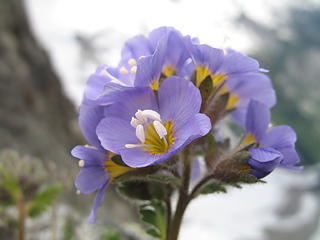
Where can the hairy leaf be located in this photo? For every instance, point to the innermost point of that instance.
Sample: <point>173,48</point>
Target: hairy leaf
<point>155,215</point>
<point>43,200</point>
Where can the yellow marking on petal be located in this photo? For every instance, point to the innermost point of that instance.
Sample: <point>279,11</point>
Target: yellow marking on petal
<point>233,99</point>
<point>153,143</point>
<point>154,85</point>
<point>201,73</point>
<point>249,139</point>
<point>115,170</point>
<point>232,102</point>
<point>218,78</point>
<point>168,71</point>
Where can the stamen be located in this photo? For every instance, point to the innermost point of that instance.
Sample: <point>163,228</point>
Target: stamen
<point>161,130</point>
<point>151,114</point>
<point>133,70</point>
<point>78,192</point>
<point>123,70</point>
<point>135,122</point>
<point>133,145</point>
<point>132,62</point>
<point>139,115</point>
<point>81,163</point>
<point>140,133</point>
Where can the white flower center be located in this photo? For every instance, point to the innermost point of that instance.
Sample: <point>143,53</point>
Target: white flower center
<point>139,122</point>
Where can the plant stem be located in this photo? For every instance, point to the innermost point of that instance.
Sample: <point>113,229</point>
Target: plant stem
<point>169,215</point>
<point>184,198</point>
<point>22,218</point>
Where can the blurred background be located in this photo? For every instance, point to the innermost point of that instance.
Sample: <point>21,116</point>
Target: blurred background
<point>48,48</point>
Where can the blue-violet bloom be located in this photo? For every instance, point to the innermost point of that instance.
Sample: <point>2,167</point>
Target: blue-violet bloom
<point>147,129</point>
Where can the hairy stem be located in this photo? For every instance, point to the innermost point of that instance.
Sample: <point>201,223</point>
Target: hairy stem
<point>184,198</point>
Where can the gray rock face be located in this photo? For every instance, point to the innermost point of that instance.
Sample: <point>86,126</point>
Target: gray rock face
<point>35,116</point>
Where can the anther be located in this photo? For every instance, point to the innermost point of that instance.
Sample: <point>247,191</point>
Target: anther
<point>140,116</point>
<point>161,130</point>
<point>151,114</point>
<point>81,163</point>
<point>133,145</point>
<point>135,122</point>
<point>123,70</point>
<point>140,133</point>
<point>133,70</point>
<point>132,62</point>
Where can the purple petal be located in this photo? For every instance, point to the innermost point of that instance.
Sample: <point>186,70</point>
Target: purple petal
<point>149,69</point>
<point>239,115</point>
<point>91,179</point>
<point>283,138</point>
<point>264,155</point>
<point>159,34</point>
<point>91,156</point>
<point>179,100</point>
<point>257,119</point>
<point>290,158</point>
<point>136,157</point>
<point>205,55</point>
<point>114,133</point>
<point>255,86</point>
<point>263,161</point>
<point>89,117</point>
<point>136,47</point>
<point>131,102</point>
<point>235,63</point>
<point>175,51</point>
<point>279,137</point>
<point>196,126</point>
<point>97,203</point>
<point>96,82</point>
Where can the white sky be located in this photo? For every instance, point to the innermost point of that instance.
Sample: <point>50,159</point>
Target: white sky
<point>225,217</point>
<point>57,21</point>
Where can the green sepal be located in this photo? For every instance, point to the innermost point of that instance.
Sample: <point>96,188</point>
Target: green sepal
<point>135,190</point>
<point>206,88</point>
<point>212,186</point>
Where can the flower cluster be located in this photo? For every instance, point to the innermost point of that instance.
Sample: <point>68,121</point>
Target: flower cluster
<point>167,94</point>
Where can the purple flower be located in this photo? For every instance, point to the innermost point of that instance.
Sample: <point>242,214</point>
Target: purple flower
<point>246,87</point>
<point>276,145</point>
<point>169,58</point>
<point>106,85</point>
<point>240,73</point>
<point>162,52</point>
<point>218,64</point>
<point>93,175</point>
<point>97,170</point>
<point>147,129</point>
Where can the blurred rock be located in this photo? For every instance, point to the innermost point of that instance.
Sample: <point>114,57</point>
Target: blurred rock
<point>35,116</point>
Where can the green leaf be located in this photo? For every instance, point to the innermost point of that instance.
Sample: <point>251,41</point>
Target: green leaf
<point>111,234</point>
<point>155,215</point>
<point>43,200</point>
<point>10,184</point>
